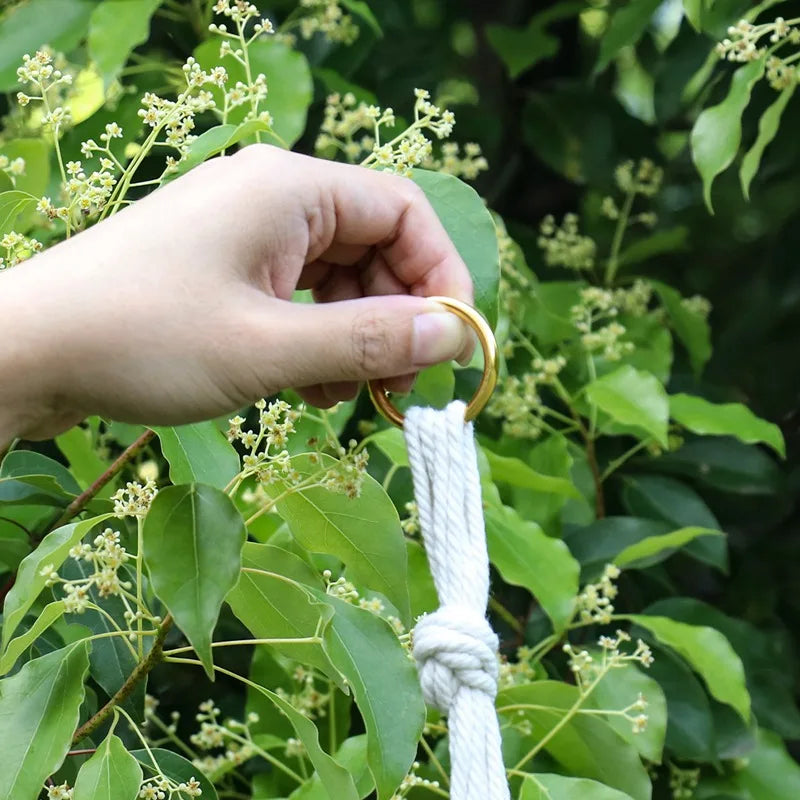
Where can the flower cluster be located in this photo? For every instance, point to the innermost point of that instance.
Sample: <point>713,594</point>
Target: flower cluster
<point>305,696</point>
<point>160,787</point>
<point>61,792</point>
<point>106,555</point>
<point>683,782</point>
<point>594,603</point>
<point>231,735</point>
<point>48,80</point>
<point>564,245</point>
<point>602,306</point>
<point>346,475</point>
<point>235,44</point>
<point>518,401</point>
<point>355,129</point>
<point>642,178</point>
<point>327,18</point>
<point>466,163</point>
<point>697,304</point>
<point>342,589</point>
<point>135,499</point>
<point>86,196</point>
<point>12,167</point>
<point>749,42</point>
<point>410,523</point>
<point>590,668</point>
<point>17,248</point>
<point>514,280</point>
<point>516,673</point>
<point>411,781</point>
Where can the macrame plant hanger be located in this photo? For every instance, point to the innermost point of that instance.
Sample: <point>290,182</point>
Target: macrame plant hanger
<point>455,647</point>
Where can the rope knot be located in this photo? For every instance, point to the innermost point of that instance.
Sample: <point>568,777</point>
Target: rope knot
<point>455,647</point>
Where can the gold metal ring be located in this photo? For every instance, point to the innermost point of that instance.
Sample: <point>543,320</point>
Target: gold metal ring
<point>380,397</point>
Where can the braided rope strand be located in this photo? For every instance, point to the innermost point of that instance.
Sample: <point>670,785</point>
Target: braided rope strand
<point>455,647</point>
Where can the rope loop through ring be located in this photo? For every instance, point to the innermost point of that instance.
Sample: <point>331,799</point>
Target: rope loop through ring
<point>380,397</point>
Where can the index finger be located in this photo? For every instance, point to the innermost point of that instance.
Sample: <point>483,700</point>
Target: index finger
<point>392,215</point>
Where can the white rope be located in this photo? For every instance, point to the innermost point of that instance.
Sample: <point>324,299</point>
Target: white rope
<point>455,648</point>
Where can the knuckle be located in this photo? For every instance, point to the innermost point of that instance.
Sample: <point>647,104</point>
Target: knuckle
<point>371,344</point>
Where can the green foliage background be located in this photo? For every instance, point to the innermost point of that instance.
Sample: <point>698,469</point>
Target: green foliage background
<point>696,503</point>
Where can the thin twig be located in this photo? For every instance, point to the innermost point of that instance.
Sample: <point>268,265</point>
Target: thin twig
<point>154,657</point>
<point>84,498</point>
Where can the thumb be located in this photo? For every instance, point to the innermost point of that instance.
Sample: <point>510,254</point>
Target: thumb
<point>364,339</point>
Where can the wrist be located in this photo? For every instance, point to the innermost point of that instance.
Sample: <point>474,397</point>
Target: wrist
<point>29,404</point>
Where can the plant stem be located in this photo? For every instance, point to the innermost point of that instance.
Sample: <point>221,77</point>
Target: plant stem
<point>435,761</point>
<point>154,657</point>
<point>616,244</point>
<point>305,640</point>
<point>506,615</point>
<point>83,499</point>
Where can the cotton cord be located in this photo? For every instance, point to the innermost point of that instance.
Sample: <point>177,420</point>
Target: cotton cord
<point>455,647</point>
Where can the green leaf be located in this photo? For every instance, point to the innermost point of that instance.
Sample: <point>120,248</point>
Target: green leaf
<point>656,548</point>
<point>770,773</point>
<point>39,708</point>
<point>367,652</point>
<point>361,9</point>
<point>116,27</point>
<point>192,545</point>
<point>471,227</point>
<point>725,419</point>
<point>24,28</point>
<point>526,556</point>
<point>392,444</point>
<point>717,132</point>
<point>289,83</point>
<point>767,660</point>
<point>352,755</point>
<point>522,48</point>
<point>198,453</point>
<point>276,603</point>
<point>619,689</point>
<point>176,768</point>
<point>696,11</point>
<point>586,746</point>
<point>17,646</point>
<point>335,778</point>
<point>627,26</point>
<point>13,205</point>
<point>112,773</point>
<point>420,581</point>
<point>767,129</point>
<point>600,542</point>
<point>633,398</point>
<point>215,140</point>
<point>543,786</point>
<point>658,243</point>
<point>516,472</point>
<point>691,328</point>
<point>662,498</point>
<point>22,463</point>
<point>14,543</point>
<point>364,532</point>
<point>36,153</point>
<point>85,464</point>
<point>52,551</point>
<point>708,652</point>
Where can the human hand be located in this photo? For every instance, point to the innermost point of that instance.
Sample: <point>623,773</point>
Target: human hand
<point>178,308</point>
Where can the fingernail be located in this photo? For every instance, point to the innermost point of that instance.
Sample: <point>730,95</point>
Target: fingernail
<point>437,337</point>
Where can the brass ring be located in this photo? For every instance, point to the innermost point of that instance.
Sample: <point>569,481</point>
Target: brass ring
<point>380,397</point>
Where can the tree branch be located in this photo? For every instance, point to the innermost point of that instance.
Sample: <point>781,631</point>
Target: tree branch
<point>83,499</point>
<point>154,657</point>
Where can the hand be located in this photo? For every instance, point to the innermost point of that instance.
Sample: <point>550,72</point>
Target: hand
<point>178,308</point>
